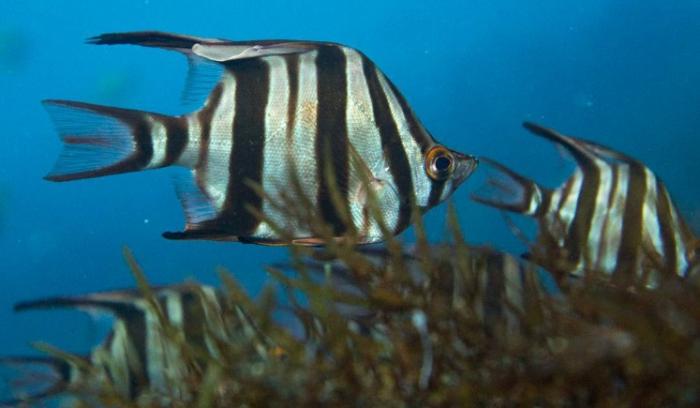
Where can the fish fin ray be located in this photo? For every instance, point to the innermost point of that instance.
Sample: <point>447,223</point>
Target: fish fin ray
<point>228,53</point>
<point>97,140</point>
<point>109,301</point>
<point>213,49</point>
<point>202,233</point>
<point>196,204</point>
<point>579,150</point>
<point>606,153</point>
<point>202,76</point>
<point>155,39</point>
<point>214,234</point>
<point>59,369</point>
<point>87,303</point>
<point>505,189</point>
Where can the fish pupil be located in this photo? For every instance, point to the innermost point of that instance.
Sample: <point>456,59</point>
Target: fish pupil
<point>442,163</point>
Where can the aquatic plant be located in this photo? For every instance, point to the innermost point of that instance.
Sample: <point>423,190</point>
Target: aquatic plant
<point>426,343</point>
<point>429,325</point>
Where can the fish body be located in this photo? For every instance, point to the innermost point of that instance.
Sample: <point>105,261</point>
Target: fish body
<point>613,216</point>
<point>140,358</point>
<point>315,115</point>
<point>500,288</point>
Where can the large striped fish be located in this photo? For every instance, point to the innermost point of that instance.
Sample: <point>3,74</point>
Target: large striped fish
<point>319,112</point>
<point>612,216</point>
<point>138,359</point>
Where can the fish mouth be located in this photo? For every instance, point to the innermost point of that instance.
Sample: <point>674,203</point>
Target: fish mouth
<point>466,164</point>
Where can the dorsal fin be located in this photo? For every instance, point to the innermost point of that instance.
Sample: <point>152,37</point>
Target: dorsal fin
<point>578,149</point>
<point>238,51</point>
<point>606,153</point>
<point>155,39</point>
<point>206,57</point>
<point>212,49</point>
<point>116,302</point>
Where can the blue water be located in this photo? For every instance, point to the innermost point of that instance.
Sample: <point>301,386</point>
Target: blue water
<point>626,74</point>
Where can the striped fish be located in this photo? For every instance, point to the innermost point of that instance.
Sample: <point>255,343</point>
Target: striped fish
<point>320,113</point>
<point>138,358</point>
<point>612,216</point>
<point>500,288</point>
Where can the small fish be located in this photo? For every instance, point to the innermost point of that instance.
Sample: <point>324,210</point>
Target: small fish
<point>321,112</point>
<point>137,356</point>
<point>612,216</point>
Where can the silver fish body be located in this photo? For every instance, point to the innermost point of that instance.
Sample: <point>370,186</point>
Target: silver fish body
<point>502,290</point>
<point>283,113</point>
<point>612,216</point>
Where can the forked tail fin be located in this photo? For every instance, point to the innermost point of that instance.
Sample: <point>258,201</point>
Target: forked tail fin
<point>43,377</point>
<point>508,190</point>
<point>101,140</point>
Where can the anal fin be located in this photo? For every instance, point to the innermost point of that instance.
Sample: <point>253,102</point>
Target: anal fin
<point>199,208</point>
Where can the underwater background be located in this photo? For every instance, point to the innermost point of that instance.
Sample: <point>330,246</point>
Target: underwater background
<point>623,74</point>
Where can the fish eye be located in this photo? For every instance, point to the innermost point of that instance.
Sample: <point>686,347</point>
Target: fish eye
<point>439,163</point>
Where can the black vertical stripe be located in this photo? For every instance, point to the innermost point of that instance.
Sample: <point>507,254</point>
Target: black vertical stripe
<point>392,147</point>
<point>420,135</point>
<point>204,117</point>
<point>436,189</point>
<point>293,74</point>
<point>176,131</point>
<point>135,323</point>
<point>631,228</point>
<point>585,206</point>
<point>246,165</point>
<point>332,137</point>
<point>545,201</point>
<point>143,141</point>
<point>586,201</point>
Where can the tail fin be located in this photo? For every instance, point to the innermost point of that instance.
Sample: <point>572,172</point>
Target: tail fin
<point>101,140</point>
<point>507,190</point>
<point>37,384</point>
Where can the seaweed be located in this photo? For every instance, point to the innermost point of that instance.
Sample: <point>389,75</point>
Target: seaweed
<point>425,342</point>
<point>423,325</point>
